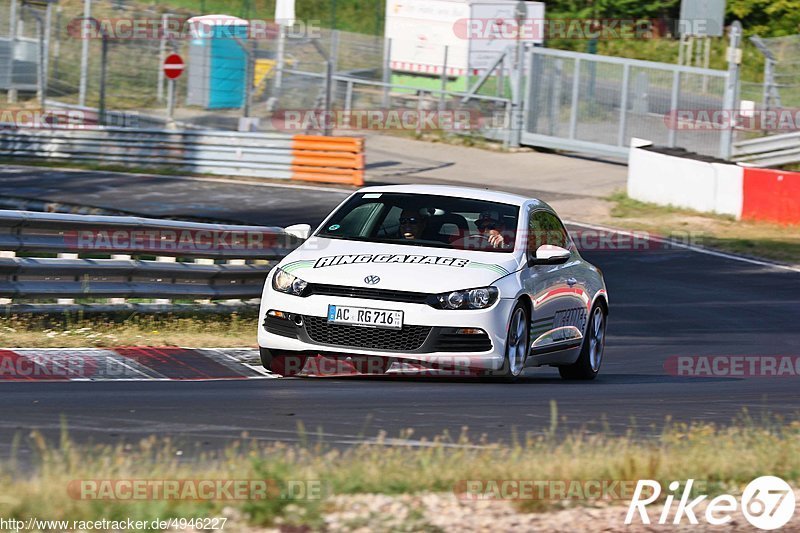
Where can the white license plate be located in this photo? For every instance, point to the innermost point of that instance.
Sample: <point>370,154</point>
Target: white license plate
<point>364,316</point>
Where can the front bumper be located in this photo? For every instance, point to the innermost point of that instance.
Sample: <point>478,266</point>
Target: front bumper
<point>429,335</point>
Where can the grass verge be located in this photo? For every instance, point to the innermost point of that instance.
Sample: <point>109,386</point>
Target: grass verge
<point>758,239</point>
<point>725,458</point>
<point>189,330</point>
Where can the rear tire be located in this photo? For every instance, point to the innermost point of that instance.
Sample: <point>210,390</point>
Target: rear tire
<point>588,364</point>
<point>285,365</point>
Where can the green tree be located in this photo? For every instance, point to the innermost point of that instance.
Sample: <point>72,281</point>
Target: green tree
<point>769,18</point>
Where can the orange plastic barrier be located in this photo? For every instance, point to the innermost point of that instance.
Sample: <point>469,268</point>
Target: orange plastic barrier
<point>328,159</point>
<point>771,195</point>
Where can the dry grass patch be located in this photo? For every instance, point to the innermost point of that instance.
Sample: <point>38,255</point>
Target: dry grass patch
<point>724,458</point>
<point>759,239</point>
<point>69,331</point>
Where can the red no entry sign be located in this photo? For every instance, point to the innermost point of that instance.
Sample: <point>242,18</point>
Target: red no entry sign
<point>173,66</point>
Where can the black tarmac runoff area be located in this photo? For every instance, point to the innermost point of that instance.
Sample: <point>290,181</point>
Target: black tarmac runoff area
<point>665,304</point>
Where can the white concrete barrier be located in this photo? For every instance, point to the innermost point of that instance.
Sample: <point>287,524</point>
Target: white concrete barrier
<point>681,182</point>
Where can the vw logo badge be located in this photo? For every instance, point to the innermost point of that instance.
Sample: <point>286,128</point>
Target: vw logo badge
<point>372,280</point>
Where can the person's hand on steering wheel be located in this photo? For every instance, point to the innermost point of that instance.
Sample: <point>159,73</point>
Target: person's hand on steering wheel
<point>495,239</point>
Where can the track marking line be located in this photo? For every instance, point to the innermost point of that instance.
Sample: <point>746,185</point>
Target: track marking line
<point>697,249</point>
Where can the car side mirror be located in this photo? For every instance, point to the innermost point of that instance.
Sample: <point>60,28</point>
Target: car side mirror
<point>547,254</point>
<point>301,231</point>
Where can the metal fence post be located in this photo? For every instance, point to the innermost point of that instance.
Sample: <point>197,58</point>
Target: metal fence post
<point>165,259</point>
<point>12,40</point>
<point>103,69</point>
<point>387,71</point>
<point>516,104</point>
<point>7,255</point>
<point>87,14</point>
<point>554,93</point>
<point>334,54</point>
<point>119,257</point>
<point>623,105</point>
<point>48,25</point>
<point>66,301</point>
<point>573,112</point>
<point>235,262</point>
<point>280,61</point>
<point>443,80</point>
<point>348,96</point>
<point>500,81</point>
<point>41,85</point>
<point>731,87</point>
<point>328,130</point>
<point>673,106</point>
<point>420,97</point>
<point>249,73</point>
<point>170,103</point>
<point>57,43</point>
<point>162,54</point>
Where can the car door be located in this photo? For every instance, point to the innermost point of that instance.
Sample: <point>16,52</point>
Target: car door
<point>559,311</point>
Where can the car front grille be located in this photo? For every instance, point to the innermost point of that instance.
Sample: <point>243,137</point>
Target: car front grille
<point>368,293</point>
<point>409,338</point>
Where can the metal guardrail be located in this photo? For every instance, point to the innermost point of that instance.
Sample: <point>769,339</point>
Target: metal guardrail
<point>769,151</point>
<point>259,155</point>
<point>130,257</point>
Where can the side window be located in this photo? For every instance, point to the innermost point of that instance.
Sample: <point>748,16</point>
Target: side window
<point>545,228</point>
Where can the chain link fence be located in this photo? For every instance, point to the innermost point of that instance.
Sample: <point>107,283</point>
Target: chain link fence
<point>573,101</point>
<point>124,72</point>
<point>781,83</point>
<point>20,46</point>
<point>585,101</point>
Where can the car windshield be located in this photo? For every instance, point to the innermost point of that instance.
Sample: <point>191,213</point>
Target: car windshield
<point>425,220</point>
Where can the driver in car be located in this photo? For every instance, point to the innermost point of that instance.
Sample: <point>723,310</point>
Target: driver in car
<point>412,224</point>
<point>491,227</point>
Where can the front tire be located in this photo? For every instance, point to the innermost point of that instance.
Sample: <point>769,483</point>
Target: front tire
<point>517,344</point>
<point>588,364</point>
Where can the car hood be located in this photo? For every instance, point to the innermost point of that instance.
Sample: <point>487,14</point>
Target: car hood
<point>399,267</point>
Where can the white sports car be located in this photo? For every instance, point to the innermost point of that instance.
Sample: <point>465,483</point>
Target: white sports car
<point>436,277</point>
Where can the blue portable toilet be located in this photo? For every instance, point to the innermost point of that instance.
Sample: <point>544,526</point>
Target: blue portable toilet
<point>217,61</point>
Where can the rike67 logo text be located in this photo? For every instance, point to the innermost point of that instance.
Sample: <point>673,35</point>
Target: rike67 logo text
<point>767,503</point>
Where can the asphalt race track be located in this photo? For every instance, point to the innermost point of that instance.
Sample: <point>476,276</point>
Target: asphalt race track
<point>664,303</point>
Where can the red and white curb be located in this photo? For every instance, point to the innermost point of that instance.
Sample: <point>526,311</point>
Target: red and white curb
<point>131,364</point>
<point>143,363</point>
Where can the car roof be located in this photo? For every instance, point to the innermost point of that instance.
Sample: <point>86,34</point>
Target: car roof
<point>472,193</point>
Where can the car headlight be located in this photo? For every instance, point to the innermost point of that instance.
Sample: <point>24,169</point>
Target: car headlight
<point>479,298</point>
<point>286,283</point>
